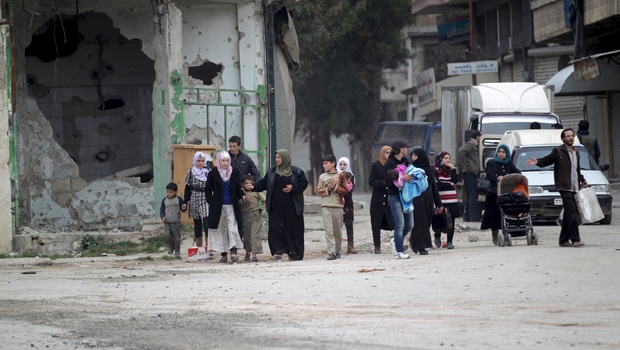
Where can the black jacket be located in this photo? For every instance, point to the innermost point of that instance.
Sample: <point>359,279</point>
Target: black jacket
<point>244,164</point>
<point>215,197</point>
<point>299,186</point>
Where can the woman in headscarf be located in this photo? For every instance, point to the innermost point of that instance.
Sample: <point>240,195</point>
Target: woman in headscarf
<point>194,196</point>
<point>224,191</point>
<point>424,205</point>
<point>380,214</point>
<point>285,184</point>
<point>495,169</point>
<point>446,184</point>
<point>344,167</point>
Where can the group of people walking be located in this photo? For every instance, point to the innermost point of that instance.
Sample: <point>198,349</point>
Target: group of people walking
<point>438,195</point>
<point>225,200</point>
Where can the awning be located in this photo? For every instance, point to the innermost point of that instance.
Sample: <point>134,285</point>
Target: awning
<point>564,82</point>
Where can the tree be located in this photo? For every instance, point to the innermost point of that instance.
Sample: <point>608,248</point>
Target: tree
<point>345,45</point>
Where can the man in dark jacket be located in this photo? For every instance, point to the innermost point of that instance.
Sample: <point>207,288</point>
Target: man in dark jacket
<point>240,160</point>
<point>567,176</point>
<point>590,142</point>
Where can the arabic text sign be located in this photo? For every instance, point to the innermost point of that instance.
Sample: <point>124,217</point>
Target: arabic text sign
<point>472,67</point>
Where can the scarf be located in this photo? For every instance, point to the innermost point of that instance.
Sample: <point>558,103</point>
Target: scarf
<point>497,159</point>
<point>200,173</point>
<point>224,172</point>
<point>284,169</point>
<point>382,157</point>
<point>346,161</point>
<point>440,168</point>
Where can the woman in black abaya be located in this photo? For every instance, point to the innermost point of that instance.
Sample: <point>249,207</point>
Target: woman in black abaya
<point>285,185</point>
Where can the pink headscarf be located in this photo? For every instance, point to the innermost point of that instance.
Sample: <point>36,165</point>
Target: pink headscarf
<point>200,173</point>
<point>224,173</point>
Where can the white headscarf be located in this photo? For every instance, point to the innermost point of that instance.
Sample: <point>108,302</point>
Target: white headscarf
<point>224,173</point>
<point>200,173</point>
<point>346,161</point>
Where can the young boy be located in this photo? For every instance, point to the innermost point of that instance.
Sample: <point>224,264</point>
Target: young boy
<point>252,220</point>
<point>170,213</point>
<point>331,187</point>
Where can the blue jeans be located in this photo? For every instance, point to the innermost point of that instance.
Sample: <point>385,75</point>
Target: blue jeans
<point>471,211</point>
<point>403,223</point>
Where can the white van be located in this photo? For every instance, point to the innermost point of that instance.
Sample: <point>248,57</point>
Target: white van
<point>545,200</point>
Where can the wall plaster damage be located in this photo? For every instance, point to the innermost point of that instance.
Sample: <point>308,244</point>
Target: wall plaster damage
<point>101,97</point>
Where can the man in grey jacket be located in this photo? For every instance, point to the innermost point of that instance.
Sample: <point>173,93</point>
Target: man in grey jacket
<point>469,166</point>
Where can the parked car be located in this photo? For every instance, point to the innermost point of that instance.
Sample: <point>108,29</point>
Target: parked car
<point>422,134</point>
<point>545,200</point>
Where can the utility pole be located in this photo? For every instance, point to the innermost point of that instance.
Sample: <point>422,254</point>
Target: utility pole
<point>474,79</point>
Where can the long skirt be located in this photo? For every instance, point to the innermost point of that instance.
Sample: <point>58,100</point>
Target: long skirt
<point>226,236</point>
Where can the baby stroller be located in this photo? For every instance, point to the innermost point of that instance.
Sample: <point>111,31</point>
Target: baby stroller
<point>514,203</point>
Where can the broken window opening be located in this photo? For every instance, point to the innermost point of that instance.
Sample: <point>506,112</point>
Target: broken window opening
<point>206,72</point>
<point>60,39</point>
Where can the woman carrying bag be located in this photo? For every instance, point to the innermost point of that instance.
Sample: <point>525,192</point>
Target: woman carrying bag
<point>446,184</point>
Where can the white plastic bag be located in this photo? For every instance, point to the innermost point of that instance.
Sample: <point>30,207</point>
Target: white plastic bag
<point>588,206</point>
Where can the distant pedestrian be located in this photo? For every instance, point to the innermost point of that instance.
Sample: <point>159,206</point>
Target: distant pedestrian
<point>344,167</point>
<point>590,142</point>
<point>285,185</point>
<point>252,220</point>
<point>496,169</point>
<point>380,214</point>
<point>240,160</point>
<point>557,126</point>
<point>195,199</point>
<point>331,187</point>
<point>446,184</point>
<point>535,125</point>
<point>403,222</point>
<point>223,194</point>
<point>424,206</point>
<point>469,166</point>
<point>170,214</point>
<point>568,181</point>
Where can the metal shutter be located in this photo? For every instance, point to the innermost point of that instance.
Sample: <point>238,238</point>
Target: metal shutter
<point>285,103</point>
<point>505,73</point>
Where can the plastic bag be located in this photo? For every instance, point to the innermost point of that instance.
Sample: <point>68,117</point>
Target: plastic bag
<point>588,206</point>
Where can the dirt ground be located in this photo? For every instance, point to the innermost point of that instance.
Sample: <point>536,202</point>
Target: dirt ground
<point>476,296</point>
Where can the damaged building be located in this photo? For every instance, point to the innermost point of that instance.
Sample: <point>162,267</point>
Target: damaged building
<point>95,95</point>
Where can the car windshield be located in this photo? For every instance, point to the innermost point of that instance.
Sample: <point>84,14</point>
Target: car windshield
<point>490,124</point>
<point>413,135</point>
<point>524,153</point>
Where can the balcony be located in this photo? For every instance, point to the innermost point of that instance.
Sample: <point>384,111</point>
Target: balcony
<point>422,7</point>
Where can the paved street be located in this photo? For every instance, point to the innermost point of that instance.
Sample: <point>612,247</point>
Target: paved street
<point>476,296</point>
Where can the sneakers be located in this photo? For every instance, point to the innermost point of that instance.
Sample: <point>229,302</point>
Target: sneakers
<point>223,260</point>
<point>401,255</point>
<point>393,246</point>
<point>332,257</point>
<point>450,245</point>
<point>234,258</point>
<point>377,250</point>
<point>566,244</point>
<point>578,244</point>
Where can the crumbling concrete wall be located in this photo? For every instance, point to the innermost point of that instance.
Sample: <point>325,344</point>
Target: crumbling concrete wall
<point>67,131</point>
<point>6,230</point>
<point>231,38</point>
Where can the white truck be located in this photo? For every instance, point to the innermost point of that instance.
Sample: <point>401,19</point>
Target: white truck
<point>492,108</point>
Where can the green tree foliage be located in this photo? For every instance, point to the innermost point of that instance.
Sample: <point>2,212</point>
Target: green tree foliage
<point>345,45</point>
